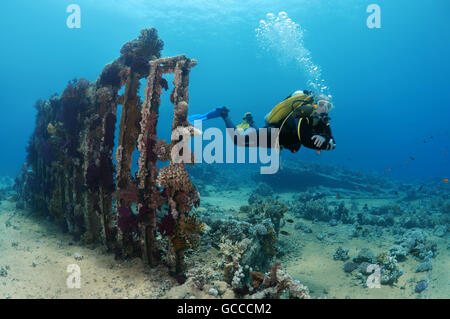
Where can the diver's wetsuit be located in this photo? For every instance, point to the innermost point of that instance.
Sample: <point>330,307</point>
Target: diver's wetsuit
<point>289,135</point>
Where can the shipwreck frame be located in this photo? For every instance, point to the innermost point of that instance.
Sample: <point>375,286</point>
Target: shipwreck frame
<point>70,174</point>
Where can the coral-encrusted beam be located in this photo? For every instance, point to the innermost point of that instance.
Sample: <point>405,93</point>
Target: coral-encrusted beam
<point>148,169</point>
<point>148,144</point>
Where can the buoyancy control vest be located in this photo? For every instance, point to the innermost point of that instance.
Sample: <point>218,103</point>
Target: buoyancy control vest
<point>298,104</point>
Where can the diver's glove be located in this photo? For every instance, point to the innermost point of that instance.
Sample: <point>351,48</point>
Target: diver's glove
<point>331,145</point>
<point>318,140</point>
<point>223,112</point>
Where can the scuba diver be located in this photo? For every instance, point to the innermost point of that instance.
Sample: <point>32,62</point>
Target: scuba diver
<point>302,119</point>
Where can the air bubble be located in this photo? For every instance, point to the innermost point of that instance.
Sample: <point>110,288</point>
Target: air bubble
<point>283,38</point>
<point>282,15</point>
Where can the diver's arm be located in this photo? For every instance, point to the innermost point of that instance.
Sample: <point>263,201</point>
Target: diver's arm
<point>321,142</point>
<point>317,139</point>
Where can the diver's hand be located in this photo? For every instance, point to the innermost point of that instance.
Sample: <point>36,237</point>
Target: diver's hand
<point>318,140</point>
<point>224,112</point>
<point>331,145</point>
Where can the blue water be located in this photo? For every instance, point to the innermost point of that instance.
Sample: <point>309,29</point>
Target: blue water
<point>390,85</point>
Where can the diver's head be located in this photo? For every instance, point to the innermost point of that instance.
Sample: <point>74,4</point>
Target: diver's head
<point>323,104</point>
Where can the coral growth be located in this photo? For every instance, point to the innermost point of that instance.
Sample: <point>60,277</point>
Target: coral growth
<point>275,284</point>
<point>162,150</point>
<point>167,225</point>
<point>71,174</point>
<point>268,208</point>
<point>176,178</point>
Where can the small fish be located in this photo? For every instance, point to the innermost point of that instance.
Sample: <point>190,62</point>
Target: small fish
<point>389,169</point>
<point>411,158</point>
<point>289,221</point>
<point>357,187</point>
<point>359,228</point>
<point>338,195</point>
<point>318,153</point>
<point>445,180</point>
<point>285,233</point>
<point>420,188</point>
<point>395,192</point>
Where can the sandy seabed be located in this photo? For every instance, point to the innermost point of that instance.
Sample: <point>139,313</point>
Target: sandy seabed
<point>36,254</point>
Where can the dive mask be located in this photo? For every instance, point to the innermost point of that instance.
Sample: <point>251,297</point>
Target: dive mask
<point>324,106</point>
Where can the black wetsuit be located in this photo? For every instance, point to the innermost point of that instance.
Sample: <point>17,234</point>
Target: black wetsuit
<point>291,139</point>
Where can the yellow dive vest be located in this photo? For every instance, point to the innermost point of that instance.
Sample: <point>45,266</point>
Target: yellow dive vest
<point>299,105</point>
